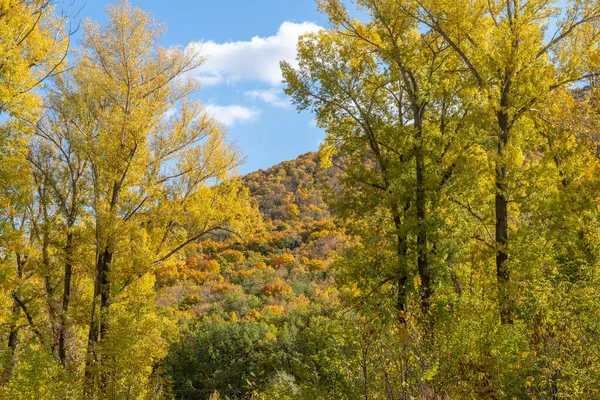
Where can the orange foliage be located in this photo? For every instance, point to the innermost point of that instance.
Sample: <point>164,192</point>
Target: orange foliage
<point>283,259</point>
<point>277,287</point>
<point>260,266</point>
<point>167,275</point>
<point>220,287</point>
<point>245,272</point>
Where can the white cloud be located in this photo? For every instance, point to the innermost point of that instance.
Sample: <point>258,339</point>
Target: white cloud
<point>274,97</point>
<point>232,114</point>
<point>170,113</point>
<point>254,60</point>
<point>211,79</point>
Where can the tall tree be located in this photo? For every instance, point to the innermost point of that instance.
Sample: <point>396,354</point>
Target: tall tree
<point>390,82</point>
<point>504,46</point>
<point>126,170</point>
<point>33,47</point>
<point>146,172</point>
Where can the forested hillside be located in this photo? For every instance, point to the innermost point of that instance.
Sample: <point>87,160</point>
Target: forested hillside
<point>443,243</point>
<point>260,308</point>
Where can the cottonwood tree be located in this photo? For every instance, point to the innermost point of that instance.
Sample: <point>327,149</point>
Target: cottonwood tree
<point>516,64</point>
<point>127,170</point>
<point>33,46</point>
<point>384,92</point>
<point>151,179</point>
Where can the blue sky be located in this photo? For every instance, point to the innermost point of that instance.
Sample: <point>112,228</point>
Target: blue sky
<point>244,40</point>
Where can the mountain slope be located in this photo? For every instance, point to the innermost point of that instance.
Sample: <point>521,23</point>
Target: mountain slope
<point>249,307</point>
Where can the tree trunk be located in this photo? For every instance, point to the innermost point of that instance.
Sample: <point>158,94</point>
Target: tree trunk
<point>50,294</point>
<point>421,204</point>
<point>402,273</point>
<point>98,322</point>
<point>105,290</point>
<point>501,210</point>
<point>48,284</point>
<point>13,336</point>
<point>62,330</point>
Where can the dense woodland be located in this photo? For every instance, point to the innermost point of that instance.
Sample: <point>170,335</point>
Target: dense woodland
<point>443,244</point>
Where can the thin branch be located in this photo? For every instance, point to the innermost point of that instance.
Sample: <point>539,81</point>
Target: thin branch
<point>193,239</point>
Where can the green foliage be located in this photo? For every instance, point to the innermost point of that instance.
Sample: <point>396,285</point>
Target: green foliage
<point>217,355</point>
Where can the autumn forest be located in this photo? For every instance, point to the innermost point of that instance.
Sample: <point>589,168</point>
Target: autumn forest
<point>443,243</point>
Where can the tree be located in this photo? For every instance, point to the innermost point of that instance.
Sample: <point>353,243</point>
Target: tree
<point>392,86</point>
<point>118,189</point>
<point>503,45</point>
<point>150,177</point>
<point>490,112</point>
<point>33,44</point>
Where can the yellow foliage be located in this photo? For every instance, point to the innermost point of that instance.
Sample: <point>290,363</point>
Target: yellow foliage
<point>260,266</point>
<point>220,287</point>
<point>232,256</point>
<point>284,259</point>
<point>275,310</point>
<point>33,43</point>
<point>233,317</point>
<point>316,265</point>
<point>253,315</point>
<point>276,288</point>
